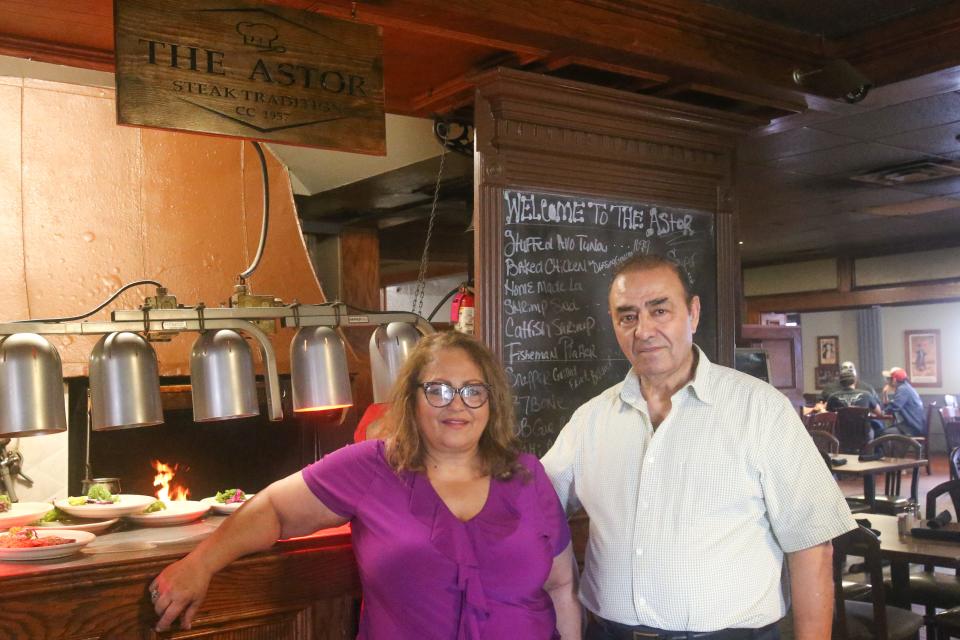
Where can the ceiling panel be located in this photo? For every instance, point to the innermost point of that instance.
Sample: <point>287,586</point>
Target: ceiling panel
<point>848,160</point>
<point>797,141</point>
<point>932,140</point>
<point>907,116</point>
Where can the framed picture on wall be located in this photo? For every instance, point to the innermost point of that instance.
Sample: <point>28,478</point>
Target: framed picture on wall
<point>828,348</point>
<point>826,375</point>
<point>922,357</point>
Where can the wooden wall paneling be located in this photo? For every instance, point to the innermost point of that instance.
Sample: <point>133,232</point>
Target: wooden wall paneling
<point>784,348</point>
<point>537,134</point>
<point>302,589</point>
<point>543,133</point>
<point>100,205</point>
<point>728,273</point>
<point>13,300</point>
<point>902,294</point>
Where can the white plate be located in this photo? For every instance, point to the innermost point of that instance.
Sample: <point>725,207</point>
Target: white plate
<point>219,507</point>
<point>93,526</point>
<point>23,513</point>
<point>81,539</point>
<point>177,512</point>
<point>128,503</point>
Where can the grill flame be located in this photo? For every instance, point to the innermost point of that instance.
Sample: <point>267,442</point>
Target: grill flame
<point>168,492</point>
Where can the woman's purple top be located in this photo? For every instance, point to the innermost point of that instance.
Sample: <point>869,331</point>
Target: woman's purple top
<point>427,575</point>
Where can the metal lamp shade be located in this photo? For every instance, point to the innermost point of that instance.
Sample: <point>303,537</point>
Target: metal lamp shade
<point>318,370</point>
<point>389,347</point>
<point>124,383</point>
<point>221,371</point>
<point>31,387</point>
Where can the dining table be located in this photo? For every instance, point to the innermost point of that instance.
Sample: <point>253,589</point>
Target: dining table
<point>869,469</point>
<point>904,549</point>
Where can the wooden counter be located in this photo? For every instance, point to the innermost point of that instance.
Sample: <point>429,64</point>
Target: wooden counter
<point>302,588</point>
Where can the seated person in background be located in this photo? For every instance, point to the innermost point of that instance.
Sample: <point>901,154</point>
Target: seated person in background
<point>906,407</point>
<point>846,367</point>
<point>888,387</point>
<point>457,534</point>
<point>848,396</point>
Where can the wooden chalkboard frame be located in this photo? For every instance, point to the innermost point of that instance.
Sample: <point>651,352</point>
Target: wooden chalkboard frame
<point>540,134</point>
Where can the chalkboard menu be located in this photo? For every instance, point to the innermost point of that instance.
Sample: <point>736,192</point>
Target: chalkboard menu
<point>559,253</point>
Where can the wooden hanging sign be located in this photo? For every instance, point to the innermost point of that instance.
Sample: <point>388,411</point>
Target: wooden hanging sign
<point>251,71</point>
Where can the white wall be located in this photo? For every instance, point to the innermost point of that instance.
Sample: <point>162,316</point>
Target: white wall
<point>895,320</point>
<point>946,318</point>
<point>813,275</point>
<point>842,324</point>
<point>907,267</point>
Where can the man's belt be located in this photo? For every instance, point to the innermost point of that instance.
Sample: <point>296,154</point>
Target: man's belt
<point>627,632</point>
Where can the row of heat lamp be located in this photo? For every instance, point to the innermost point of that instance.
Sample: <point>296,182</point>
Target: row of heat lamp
<point>124,379</point>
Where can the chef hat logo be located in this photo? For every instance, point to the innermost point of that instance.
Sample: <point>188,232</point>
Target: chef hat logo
<point>259,35</point>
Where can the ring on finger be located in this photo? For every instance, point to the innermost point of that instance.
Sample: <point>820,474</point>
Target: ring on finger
<point>154,594</point>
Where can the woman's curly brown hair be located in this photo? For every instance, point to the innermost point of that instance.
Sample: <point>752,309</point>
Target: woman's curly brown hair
<point>498,447</point>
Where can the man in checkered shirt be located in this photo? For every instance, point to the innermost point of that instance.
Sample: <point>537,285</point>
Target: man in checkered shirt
<point>698,480</point>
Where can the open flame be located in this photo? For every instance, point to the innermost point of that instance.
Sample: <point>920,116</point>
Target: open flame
<point>165,474</point>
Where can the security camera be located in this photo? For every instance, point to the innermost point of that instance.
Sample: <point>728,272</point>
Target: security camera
<point>836,79</point>
<point>858,94</point>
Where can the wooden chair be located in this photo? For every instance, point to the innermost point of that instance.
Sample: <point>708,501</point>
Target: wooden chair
<point>867,620</point>
<point>852,429</point>
<point>895,446</point>
<point>946,624</point>
<point>951,430</point>
<point>826,442</point>
<point>824,421</point>
<point>924,450</point>
<point>936,590</point>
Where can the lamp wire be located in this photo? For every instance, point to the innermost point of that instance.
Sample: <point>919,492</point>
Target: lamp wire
<point>440,304</point>
<point>113,296</point>
<point>425,257</point>
<point>266,214</point>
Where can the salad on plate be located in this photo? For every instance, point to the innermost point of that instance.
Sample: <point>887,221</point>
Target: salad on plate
<point>228,500</point>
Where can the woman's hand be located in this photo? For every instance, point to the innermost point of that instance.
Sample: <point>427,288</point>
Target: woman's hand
<point>179,591</point>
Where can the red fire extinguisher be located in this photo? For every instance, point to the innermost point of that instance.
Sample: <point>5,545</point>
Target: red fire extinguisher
<point>461,310</point>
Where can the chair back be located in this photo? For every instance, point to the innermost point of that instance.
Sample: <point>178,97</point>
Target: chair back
<point>852,429</point>
<point>894,446</point>
<point>951,426</point>
<point>931,409</point>
<point>951,487</point>
<point>826,443</point>
<point>824,421</point>
<point>859,542</point>
<point>898,446</point>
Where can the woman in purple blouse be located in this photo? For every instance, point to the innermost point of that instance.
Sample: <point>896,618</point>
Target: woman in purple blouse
<point>457,535</point>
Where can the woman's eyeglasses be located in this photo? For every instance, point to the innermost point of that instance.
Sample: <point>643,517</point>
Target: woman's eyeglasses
<point>441,394</point>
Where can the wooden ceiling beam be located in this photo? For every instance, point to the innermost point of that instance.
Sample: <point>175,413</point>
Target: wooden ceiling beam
<point>662,35</point>
<point>906,48</point>
<point>73,55</point>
